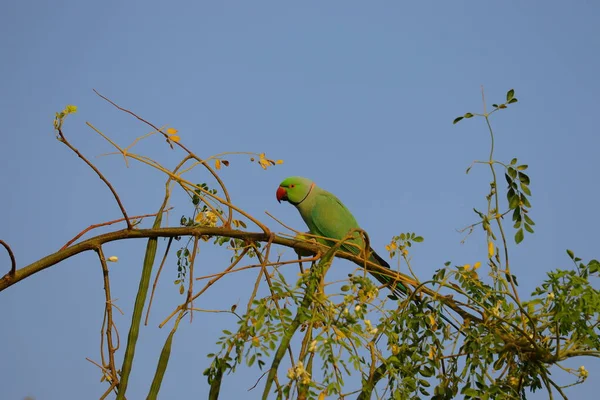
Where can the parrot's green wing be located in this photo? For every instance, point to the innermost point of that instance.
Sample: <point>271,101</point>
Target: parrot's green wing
<point>330,218</point>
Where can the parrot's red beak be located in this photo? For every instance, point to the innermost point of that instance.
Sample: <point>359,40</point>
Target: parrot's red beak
<point>281,194</point>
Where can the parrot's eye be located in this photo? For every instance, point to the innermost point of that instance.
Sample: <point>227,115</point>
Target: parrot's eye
<point>292,186</point>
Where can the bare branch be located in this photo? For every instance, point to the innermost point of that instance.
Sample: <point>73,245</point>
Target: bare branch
<point>89,228</point>
<point>97,171</point>
<point>13,261</point>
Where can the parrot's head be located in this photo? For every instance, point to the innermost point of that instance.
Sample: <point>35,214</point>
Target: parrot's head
<point>294,189</point>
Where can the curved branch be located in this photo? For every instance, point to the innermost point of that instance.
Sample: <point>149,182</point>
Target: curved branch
<point>13,261</point>
<point>97,171</point>
<point>94,242</point>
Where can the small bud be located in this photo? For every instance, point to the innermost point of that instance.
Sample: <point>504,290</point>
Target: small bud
<point>112,259</point>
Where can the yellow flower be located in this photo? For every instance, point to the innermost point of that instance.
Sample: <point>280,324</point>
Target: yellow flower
<point>432,321</point>
<point>583,372</point>
<point>70,109</point>
<point>467,267</point>
<point>291,373</point>
<point>431,352</point>
<point>207,218</point>
<point>477,265</point>
<point>173,134</point>
<point>491,249</point>
<point>279,162</point>
<point>264,163</point>
<point>112,259</point>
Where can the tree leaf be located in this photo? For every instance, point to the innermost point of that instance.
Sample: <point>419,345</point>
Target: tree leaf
<point>529,220</point>
<point>524,178</point>
<point>528,228</point>
<point>513,201</point>
<point>510,95</point>
<point>468,115</point>
<point>457,120</point>
<point>519,236</point>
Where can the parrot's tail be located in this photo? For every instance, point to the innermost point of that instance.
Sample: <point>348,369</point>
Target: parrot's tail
<point>400,290</point>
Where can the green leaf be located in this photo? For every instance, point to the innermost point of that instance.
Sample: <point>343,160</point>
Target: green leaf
<point>513,202</point>
<point>571,254</point>
<point>522,167</point>
<point>513,100</point>
<point>516,214</point>
<point>510,94</point>
<point>525,201</point>
<point>525,189</point>
<point>470,392</point>
<point>457,120</point>
<point>512,172</point>
<point>594,266</point>
<point>468,115</point>
<point>519,236</point>
<point>529,220</point>
<point>528,228</point>
<point>524,178</point>
<point>513,161</point>
<point>418,239</point>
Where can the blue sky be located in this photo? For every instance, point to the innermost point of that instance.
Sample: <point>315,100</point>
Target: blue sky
<point>359,96</point>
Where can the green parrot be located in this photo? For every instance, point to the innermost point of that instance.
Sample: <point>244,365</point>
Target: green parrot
<point>325,215</point>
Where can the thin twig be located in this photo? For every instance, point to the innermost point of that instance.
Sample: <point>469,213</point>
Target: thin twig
<point>89,228</point>
<point>189,302</point>
<point>208,284</point>
<point>97,171</point>
<point>190,154</point>
<point>13,261</point>
<point>109,316</point>
<point>162,263</point>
